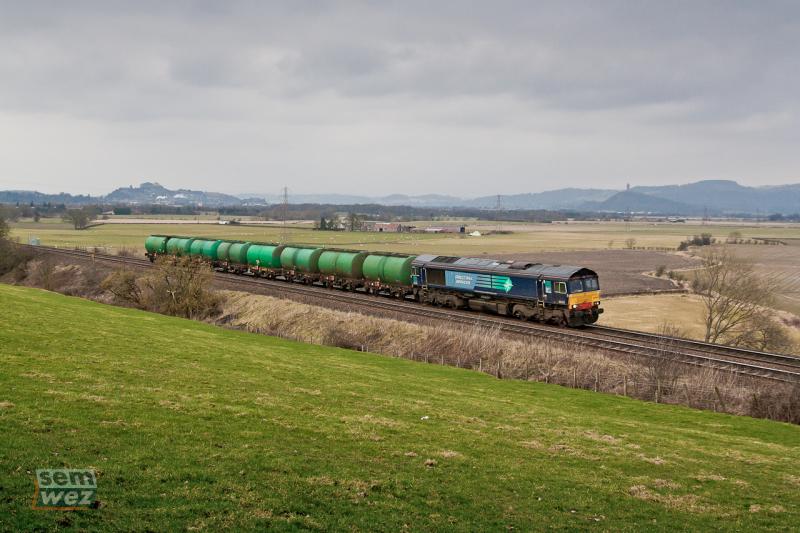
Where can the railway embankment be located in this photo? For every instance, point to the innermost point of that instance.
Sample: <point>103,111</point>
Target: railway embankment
<point>657,370</point>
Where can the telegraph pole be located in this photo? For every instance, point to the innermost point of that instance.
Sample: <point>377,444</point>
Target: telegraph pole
<point>285,216</point>
<point>499,207</point>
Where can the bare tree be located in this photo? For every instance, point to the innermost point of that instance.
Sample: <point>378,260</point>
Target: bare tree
<point>354,221</point>
<point>733,295</point>
<point>763,333</point>
<point>124,285</point>
<point>176,287</point>
<point>181,288</point>
<point>79,218</point>
<point>11,256</point>
<point>630,242</point>
<point>664,367</point>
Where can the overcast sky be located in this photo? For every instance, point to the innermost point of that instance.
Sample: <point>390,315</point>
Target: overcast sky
<point>461,98</point>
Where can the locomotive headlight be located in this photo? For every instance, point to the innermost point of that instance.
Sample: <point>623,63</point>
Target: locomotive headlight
<point>574,306</point>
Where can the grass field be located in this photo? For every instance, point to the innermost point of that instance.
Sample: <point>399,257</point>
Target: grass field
<point>651,312</point>
<point>525,237</point>
<point>196,427</point>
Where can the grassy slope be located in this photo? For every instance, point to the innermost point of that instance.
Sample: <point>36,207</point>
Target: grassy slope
<point>194,426</point>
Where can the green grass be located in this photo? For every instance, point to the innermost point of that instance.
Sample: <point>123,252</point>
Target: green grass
<point>192,426</point>
<point>115,236</point>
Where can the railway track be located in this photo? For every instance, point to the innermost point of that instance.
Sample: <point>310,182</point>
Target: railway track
<point>772,366</point>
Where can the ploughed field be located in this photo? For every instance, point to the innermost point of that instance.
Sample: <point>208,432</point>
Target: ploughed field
<point>191,426</point>
<point>781,263</point>
<point>620,271</point>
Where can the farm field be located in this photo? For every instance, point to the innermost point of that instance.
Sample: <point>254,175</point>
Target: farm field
<point>223,429</point>
<point>620,271</point>
<point>116,236</point>
<point>649,312</point>
<point>526,238</point>
<point>782,263</point>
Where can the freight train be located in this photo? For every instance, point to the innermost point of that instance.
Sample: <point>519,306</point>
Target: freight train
<point>558,294</point>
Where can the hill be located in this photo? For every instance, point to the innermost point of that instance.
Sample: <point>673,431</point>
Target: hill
<point>154,193</point>
<point>727,197</point>
<point>636,202</point>
<point>714,197</point>
<point>570,198</point>
<point>145,193</point>
<point>192,426</point>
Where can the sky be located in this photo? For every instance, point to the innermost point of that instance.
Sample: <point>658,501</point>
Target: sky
<point>461,98</point>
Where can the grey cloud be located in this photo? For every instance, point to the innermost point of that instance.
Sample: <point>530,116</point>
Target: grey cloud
<point>653,70</point>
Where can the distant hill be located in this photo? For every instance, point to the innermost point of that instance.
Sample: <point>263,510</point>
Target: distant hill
<point>146,193</point>
<point>714,197</point>
<point>425,200</point>
<point>725,196</point>
<point>38,198</point>
<point>635,202</point>
<point>570,198</point>
<point>154,193</point>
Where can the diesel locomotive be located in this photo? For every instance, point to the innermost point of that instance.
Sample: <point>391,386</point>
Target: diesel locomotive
<point>559,294</point>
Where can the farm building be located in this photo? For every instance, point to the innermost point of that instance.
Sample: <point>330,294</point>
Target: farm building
<point>390,227</point>
<point>444,229</point>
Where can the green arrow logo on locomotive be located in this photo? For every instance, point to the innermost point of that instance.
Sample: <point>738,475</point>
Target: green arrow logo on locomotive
<point>502,282</point>
<point>507,285</point>
<point>498,283</point>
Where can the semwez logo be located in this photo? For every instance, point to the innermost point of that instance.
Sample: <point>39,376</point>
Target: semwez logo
<point>62,489</point>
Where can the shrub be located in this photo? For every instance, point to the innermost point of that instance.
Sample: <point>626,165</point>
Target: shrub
<point>12,256</point>
<point>124,286</point>
<point>176,287</point>
<point>777,403</point>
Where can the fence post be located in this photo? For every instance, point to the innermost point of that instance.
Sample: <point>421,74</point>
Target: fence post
<point>719,396</point>
<point>658,390</point>
<point>480,364</point>
<point>688,399</point>
<point>625,385</point>
<point>596,381</point>
<point>574,378</point>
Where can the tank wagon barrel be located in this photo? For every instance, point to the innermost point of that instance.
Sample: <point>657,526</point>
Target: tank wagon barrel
<point>265,255</point>
<point>343,263</point>
<point>237,253</point>
<point>156,244</point>
<point>389,269</point>
<point>304,259</point>
<point>210,250</point>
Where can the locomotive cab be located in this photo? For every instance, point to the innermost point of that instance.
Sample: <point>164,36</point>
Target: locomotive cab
<point>583,297</point>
